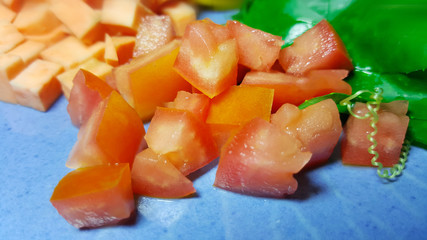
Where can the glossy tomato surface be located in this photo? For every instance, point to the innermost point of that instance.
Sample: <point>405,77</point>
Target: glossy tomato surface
<point>153,175</point>
<point>258,50</point>
<point>392,125</point>
<point>87,92</point>
<point>318,48</point>
<point>318,127</point>
<point>113,134</point>
<point>95,196</point>
<point>208,57</point>
<point>190,145</point>
<point>260,159</point>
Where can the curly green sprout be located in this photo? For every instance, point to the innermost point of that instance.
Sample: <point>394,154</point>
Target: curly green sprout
<point>373,107</point>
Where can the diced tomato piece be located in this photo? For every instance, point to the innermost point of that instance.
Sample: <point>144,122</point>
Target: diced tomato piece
<point>261,160</point>
<point>95,196</point>
<point>153,175</point>
<point>196,103</point>
<point>318,127</point>
<point>257,49</point>
<point>236,106</point>
<point>289,88</point>
<point>149,81</point>
<point>208,57</point>
<point>392,125</point>
<point>112,134</point>
<point>182,138</point>
<point>240,104</point>
<point>87,92</point>
<point>318,48</point>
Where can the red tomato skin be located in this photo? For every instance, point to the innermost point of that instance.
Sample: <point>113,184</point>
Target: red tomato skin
<point>182,139</point>
<point>257,49</point>
<point>208,57</point>
<point>318,48</point>
<point>104,197</point>
<point>392,126</point>
<point>260,159</point>
<point>113,134</point>
<point>153,175</point>
<point>289,88</point>
<point>88,90</point>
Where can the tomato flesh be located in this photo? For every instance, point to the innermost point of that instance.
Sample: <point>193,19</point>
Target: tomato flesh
<point>318,48</point>
<point>392,125</point>
<point>258,50</point>
<point>95,196</point>
<point>181,138</point>
<point>113,134</point>
<point>153,175</point>
<point>196,103</point>
<point>318,127</point>
<point>260,159</point>
<point>208,57</point>
<point>88,90</point>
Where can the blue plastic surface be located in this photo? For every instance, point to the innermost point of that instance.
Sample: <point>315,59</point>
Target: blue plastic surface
<point>332,202</point>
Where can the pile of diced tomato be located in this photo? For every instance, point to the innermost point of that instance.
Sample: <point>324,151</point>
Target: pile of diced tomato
<point>227,91</point>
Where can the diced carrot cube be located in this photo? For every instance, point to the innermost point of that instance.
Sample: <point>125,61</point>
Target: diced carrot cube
<point>80,18</point>
<point>93,65</point>
<point>153,32</point>
<point>123,16</point>
<point>6,13</point>
<point>70,52</point>
<point>10,36</point>
<point>50,38</point>
<point>36,86</point>
<point>33,15</point>
<point>181,13</point>
<point>150,81</point>
<point>28,51</point>
<point>110,54</point>
<point>10,65</point>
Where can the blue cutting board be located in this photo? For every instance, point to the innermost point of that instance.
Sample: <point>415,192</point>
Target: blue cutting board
<point>332,202</point>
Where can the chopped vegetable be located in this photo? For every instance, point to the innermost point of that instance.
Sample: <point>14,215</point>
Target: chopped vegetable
<point>112,134</point>
<point>289,88</point>
<point>400,72</point>
<point>87,92</point>
<point>149,81</point>
<point>189,144</point>
<point>257,49</point>
<point>260,159</point>
<point>103,196</point>
<point>153,175</point>
<point>36,86</point>
<point>389,136</point>
<point>208,57</point>
<point>318,48</point>
<point>318,127</point>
